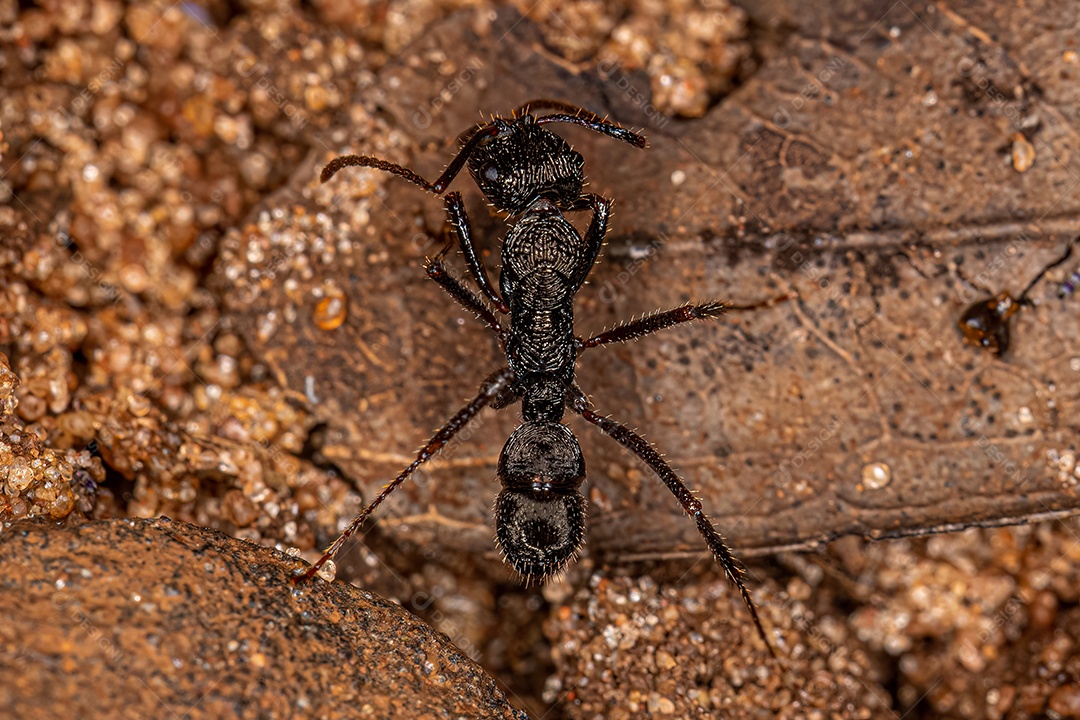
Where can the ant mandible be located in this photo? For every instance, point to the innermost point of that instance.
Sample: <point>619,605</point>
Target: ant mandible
<point>540,513</point>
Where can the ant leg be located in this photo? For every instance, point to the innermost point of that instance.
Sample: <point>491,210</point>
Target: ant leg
<point>455,208</point>
<point>598,125</point>
<point>594,238</point>
<point>669,318</point>
<point>640,447</point>
<point>437,271</point>
<point>563,107</point>
<point>491,389</point>
<point>653,323</point>
<point>436,187</point>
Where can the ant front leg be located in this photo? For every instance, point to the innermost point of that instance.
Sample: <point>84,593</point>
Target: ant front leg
<point>594,238</point>
<point>567,113</point>
<point>455,208</point>
<point>494,389</point>
<point>690,504</point>
<point>649,324</point>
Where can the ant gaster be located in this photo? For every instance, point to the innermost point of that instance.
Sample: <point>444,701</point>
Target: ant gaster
<point>540,513</point>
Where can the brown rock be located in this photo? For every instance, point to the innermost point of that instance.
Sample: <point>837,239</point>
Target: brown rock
<point>138,619</point>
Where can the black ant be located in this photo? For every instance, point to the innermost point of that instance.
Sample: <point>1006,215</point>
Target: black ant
<point>985,323</point>
<point>540,513</point>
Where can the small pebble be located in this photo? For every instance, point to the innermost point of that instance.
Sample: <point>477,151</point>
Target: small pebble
<point>1023,153</point>
<point>328,571</point>
<point>876,475</point>
<point>330,312</point>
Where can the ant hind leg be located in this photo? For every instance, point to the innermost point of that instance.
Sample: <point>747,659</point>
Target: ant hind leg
<point>493,388</point>
<point>690,504</point>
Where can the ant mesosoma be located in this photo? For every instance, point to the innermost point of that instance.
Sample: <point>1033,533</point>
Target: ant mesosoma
<point>985,323</point>
<point>535,175</point>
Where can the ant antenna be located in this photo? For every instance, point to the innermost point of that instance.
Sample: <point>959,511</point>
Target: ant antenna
<point>575,115</point>
<point>437,187</point>
<point>1060,261</point>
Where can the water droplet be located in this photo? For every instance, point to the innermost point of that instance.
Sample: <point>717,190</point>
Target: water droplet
<point>876,475</point>
<point>328,571</point>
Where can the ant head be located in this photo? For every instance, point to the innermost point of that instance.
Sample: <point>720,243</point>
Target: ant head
<point>540,515</point>
<point>519,161</point>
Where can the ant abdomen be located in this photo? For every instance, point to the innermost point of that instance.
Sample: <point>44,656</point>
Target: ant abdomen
<point>543,456</point>
<point>539,531</point>
<point>540,515</point>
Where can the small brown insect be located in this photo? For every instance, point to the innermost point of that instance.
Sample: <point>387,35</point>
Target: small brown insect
<point>985,323</point>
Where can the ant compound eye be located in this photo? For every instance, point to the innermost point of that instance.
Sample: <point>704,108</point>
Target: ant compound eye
<point>539,532</point>
<point>491,173</point>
